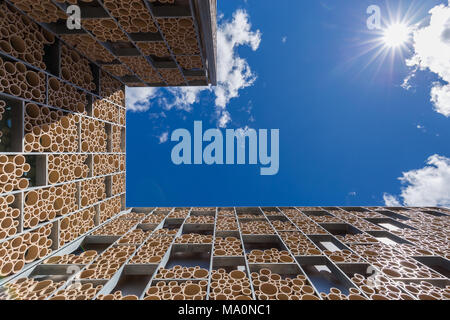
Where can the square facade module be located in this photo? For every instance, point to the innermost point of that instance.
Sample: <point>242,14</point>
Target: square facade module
<point>65,232</point>
<point>62,109</point>
<point>252,253</point>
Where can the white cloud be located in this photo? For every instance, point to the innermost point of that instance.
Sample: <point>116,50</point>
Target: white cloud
<point>233,72</point>
<point>391,201</point>
<point>431,45</point>
<point>421,128</point>
<point>407,81</point>
<point>284,39</point>
<point>352,194</point>
<point>224,118</point>
<point>163,137</point>
<point>429,186</point>
<point>138,99</point>
<point>182,98</point>
<point>440,96</point>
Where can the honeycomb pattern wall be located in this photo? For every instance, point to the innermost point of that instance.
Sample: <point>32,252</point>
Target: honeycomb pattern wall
<point>255,253</point>
<point>89,47</point>
<point>23,39</point>
<point>59,114</point>
<point>143,42</point>
<point>62,137</point>
<point>132,16</point>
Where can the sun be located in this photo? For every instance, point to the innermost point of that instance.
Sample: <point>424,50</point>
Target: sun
<point>396,35</point>
<point>391,42</point>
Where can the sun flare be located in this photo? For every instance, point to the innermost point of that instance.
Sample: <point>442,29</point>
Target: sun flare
<point>396,35</point>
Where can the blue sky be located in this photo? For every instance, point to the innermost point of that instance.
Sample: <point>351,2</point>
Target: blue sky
<point>348,128</point>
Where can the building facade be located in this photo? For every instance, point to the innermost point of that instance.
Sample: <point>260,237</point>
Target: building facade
<point>65,231</point>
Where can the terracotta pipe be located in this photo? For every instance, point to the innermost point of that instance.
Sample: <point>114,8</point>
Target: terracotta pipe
<point>6,269</point>
<point>15,243</point>
<point>23,183</point>
<point>237,275</point>
<point>354,291</point>
<point>6,223</point>
<point>19,172</point>
<point>53,177</point>
<point>191,289</point>
<point>54,84</point>
<point>52,260</point>
<point>5,46</point>
<point>32,78</point>
<point>9,68</point>
<point>31,253</point>
<point>8,168</point>
<point>18,265</point>
<point>32,110</point>
<point>3,253</point>
<point>309,297</point>
<point>19,160</point>
<point>306,289</point>
<point>15,213</point>
<point>20,67</point>
<point>268,289</point>
<point>378,297</point>
<point>4,178</point>
<point>42,285</point>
